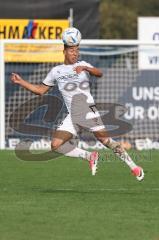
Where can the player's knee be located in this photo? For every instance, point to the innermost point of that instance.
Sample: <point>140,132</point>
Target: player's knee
<point>55,145</point>
<point>103,139</point>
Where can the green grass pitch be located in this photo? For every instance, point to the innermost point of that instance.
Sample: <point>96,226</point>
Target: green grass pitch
<point>60,200</point>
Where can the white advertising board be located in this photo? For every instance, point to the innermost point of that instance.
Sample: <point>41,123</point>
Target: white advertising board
<point>148,31</point>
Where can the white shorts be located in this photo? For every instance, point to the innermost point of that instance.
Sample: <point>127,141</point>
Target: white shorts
<point>92,121</point>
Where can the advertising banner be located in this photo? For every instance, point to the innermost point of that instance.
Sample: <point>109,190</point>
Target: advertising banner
<point>34,53</point>
<point>148,30</point>
<point>32,29</point>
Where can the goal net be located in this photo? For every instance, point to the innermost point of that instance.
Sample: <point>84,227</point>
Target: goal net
<point>128,81</point>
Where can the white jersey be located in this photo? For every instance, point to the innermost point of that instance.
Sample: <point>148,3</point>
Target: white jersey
<point>69,82</point>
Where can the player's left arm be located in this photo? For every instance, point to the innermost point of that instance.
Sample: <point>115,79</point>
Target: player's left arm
<point>92,70</point>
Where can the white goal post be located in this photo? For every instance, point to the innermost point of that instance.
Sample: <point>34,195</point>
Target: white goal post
<point>96,47</point>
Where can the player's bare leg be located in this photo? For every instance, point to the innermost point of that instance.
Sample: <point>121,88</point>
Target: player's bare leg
<point>59,138</point>
<point>120,152</point>
<point>60,143</point>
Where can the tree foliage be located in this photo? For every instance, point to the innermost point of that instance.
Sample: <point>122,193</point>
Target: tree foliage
<point>118,19</point>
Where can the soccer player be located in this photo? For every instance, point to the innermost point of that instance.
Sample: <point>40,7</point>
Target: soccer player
<point>72,78</point>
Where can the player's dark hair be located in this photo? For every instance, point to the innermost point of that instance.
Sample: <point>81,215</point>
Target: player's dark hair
<point>66,46</point>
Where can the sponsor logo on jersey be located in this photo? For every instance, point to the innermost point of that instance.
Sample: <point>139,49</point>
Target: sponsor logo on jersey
<point>68,76</point>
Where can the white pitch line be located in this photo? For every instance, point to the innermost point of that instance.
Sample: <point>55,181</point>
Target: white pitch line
<point>107,189</point>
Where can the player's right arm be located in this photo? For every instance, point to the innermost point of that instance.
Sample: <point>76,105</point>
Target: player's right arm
<point>38,89</point>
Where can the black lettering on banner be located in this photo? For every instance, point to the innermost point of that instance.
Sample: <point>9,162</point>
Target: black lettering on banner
<point>3,32</point>
<point>50,32</point>
<point>42,31</point>
<point>13,32</point>
<point>25,32</point>
<point>58,32</point>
